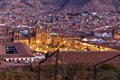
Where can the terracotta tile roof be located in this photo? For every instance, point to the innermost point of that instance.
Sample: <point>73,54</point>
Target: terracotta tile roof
<point>49,61</point>
<point>2,49</point>
<point>22,51</point>
<point>84,58</point>
<point>89,57</point>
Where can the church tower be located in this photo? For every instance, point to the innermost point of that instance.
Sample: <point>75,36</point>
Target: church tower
<point>10,31</point>
<point>16,35</point>
<point>116,32</point>
<point>48,30</point>
<point>38,33</point>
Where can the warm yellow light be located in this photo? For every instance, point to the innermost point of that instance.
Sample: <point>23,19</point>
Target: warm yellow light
<point>45,51</point>
<point>37,41</point>
<point>37,49</point>
<point>69,46</point>
<point>64,42</point>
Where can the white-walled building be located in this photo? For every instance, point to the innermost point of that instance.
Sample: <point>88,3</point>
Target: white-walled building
<point>15,52</point>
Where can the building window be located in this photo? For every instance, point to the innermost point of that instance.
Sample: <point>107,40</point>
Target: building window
<point>4,59</point>
<point>10,50</point>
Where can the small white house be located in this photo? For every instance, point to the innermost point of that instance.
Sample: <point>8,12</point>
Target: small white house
<point>101,33</point>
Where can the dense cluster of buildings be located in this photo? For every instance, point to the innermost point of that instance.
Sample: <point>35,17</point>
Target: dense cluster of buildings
<point>41,39</point>
<point>22,35</point>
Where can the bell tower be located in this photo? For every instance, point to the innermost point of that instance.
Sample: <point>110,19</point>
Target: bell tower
<point>48,29</point>
<point>38,33</point>
<point>38,30</point>
<point>16,35</point>
<point>10,31</point>
<point>116,32</point>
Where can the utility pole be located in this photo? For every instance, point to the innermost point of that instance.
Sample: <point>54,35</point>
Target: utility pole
<point>94,67</point>
<point>56,67</point>
<point>56,63</point>
<point>39,72</point>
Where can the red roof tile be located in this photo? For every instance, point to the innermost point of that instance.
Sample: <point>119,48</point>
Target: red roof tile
<point>22,51</point>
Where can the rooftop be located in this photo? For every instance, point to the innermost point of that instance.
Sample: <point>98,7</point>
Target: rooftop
<point>81,57</point>
<point>19,48</point>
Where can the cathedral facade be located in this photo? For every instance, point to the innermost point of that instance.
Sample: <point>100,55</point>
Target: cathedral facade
<point>36,35</point>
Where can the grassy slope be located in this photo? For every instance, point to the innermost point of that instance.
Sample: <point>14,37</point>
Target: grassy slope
<point>74,72</point>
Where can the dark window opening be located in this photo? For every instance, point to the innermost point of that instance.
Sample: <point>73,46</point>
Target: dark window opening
<point>10,50</point>
<point>4,59</point>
